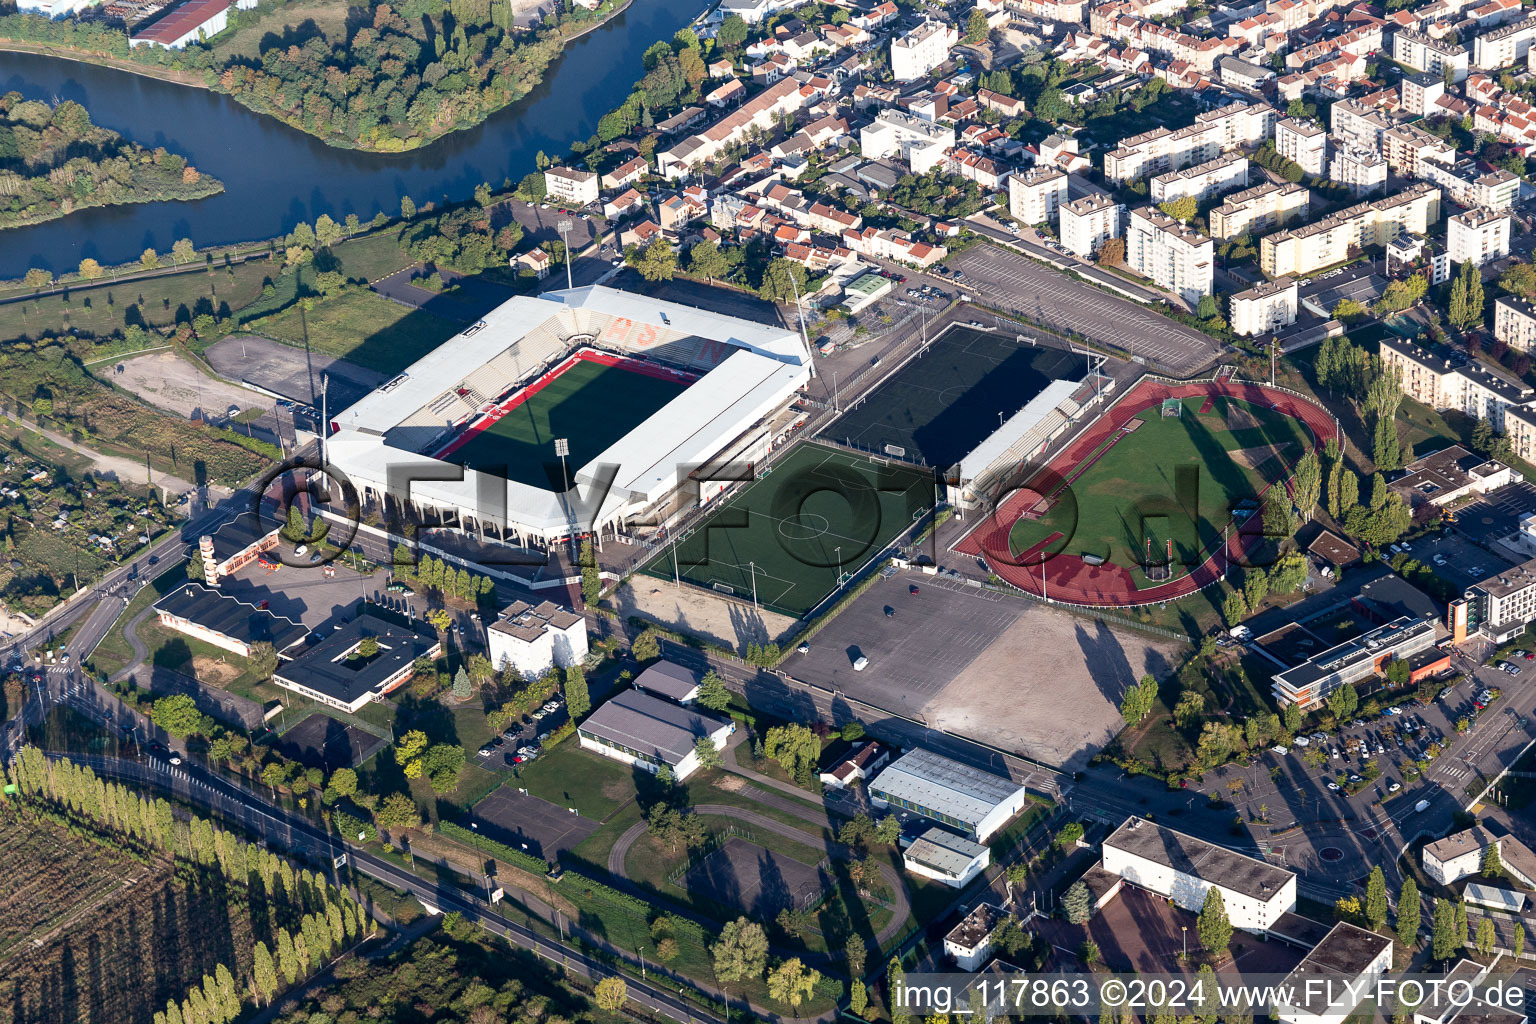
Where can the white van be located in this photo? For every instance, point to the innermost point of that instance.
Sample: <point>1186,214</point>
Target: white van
<point>861,664</point>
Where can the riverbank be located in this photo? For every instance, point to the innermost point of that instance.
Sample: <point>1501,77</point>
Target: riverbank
<point>103,60</point>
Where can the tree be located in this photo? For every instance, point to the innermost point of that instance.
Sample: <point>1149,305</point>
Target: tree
<point>182,250</point>
<point>1386,448</point>
<point>1444,945</point>
<point>577,700</point>
<point>976,27</point>
<point>407,207</point>
<point>1278,521</point>
<point>707,260</point>
<point>264,974</point>
<point>1485,936</point>
<point>1308,483</point>
<point>656,262</point>
<point>90,270</point>
<point>1409,915</point>
<point>1188,710</point>
<point>197,572</point>
<point>149,260</point>
<point>610,994</point>
<point>1376,898</point>
<point>262,660</point>
<point>1348,311</point>
<point>591,578</point>
<point>1076,903</point>
<point>1214,926</point>
<point>1343,702</point>
<point>1234,608</point>
<point>1112,252</point>
<point>442,764</point>
<point>37,278</point>
<point>1349,490</point>
<point>1518,945</point>
<point>343,782</point>
<point>1493,866</point>
<point>1138,700</point>
<point>895,979</point>
<point>783,281</point>
<point>796,748</point>
<point>732,32</point>
<point>178,715</point>
<point>742,952</point>
<point>1292,717</point>
<point>1182,209</point>
<point>1208,308</point>
<point>792,983</point>
<point>1519,280</point>
<point>708,755</point>
<point>646,647</point>
<point>398,811</point>
<point>712,692</point>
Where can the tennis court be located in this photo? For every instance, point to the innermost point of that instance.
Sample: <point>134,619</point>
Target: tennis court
<point>590,402</point>
<point>947,400</point>
<point>814,516</point>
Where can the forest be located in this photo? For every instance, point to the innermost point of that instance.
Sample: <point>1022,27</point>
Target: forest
<point>54,161</point>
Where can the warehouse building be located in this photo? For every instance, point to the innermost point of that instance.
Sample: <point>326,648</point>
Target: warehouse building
<point>639,729</point>
<point>941,855</point>
<point>1183,869</point>
<point>969,800</point>
<point>225,622</point>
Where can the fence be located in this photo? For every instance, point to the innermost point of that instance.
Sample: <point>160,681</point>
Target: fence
<point>708,847</point>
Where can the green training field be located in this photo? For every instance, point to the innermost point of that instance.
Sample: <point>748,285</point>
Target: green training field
<point>590,404</point>
<point>1172,478</point>
<point>814,514</point>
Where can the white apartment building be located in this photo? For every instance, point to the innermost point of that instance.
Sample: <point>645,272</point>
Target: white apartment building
<point>1259,209</point>
<point>1456,856</point>
<point>1087,223</point>
<point>1500,606</point>
<point>1226,173</point>
<point>1467,184</point>
<point>1478,235</point>
<point>1302,250</point>
<point>1363,170</point>
<point>1408,149</point>
<point>1183,869</point>
<point>1264,308</point>
<point>1514,322</point>
<point>1169,254</point>
<point>1423,52</point>
<point>1473,389</point>
<point>1357,124</point>
<point>1305,142</point>
<point>1335,977</point>
<point>922,144</point>
<point>570,186</point>
<point>787,94</point>
<point>1154,152</point>
<point>921,50</point>
<point>534,638</point>
<point>1504,46</point>
<point>1420,92</point>
<point>1035,195</point>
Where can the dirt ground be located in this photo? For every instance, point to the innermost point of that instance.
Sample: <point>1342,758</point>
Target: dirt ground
<point>735,623</point>
<point>166,380</point>
<point>210,670</point>
<point>1253,458</point>
<point>1016,693</point>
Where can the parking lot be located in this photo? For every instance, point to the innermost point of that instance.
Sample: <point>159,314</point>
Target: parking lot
<point>953,656</point>
<point>1456,559</point>
<point>1014,282</point>
<point>1498,513</point>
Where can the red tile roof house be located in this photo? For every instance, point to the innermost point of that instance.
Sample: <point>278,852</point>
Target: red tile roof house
<point>867,759</point>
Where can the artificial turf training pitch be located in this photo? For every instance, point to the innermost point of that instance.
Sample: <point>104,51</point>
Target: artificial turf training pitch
<point>814,515</point>
<point>1171,478</point>
<point>591,404</point>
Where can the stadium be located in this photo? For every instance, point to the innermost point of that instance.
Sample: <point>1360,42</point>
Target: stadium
<point>574,413</point>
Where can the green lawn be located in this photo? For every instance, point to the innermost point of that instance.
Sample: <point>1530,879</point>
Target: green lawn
<point>816,513</point>
<point>362,327</point>
<point>1174,477</point>
<point>113,653</point>
<point>193,657</point>
<point>590,404</point>
<point>569,776</point>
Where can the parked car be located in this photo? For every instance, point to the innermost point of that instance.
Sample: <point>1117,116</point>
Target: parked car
<point>861,663</point>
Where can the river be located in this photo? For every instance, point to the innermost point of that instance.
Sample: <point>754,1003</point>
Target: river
<point>276,176</point>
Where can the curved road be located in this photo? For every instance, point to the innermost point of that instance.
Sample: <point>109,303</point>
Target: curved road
<point>901,907</point>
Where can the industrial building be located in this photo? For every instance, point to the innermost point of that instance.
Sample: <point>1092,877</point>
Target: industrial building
<point>969,800</point>
<point>639,729</point>
<point>946,857</point>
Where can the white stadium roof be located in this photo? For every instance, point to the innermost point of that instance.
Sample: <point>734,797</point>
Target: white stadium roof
<point>1025,430</point>
<point>750,369</point>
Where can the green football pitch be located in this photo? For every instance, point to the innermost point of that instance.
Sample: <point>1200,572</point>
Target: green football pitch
<point>591,405</point>
<point>1172,478</point>
<point>814,515</point>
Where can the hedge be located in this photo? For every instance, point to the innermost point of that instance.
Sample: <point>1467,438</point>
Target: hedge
<point>500,851</point>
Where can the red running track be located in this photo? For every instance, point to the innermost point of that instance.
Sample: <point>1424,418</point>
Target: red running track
<point>1068,578</point>
<point>491,413</point>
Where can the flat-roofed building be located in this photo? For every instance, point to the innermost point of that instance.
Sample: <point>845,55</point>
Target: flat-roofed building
<point>1264,308</point>
<point>1421,92</point>
<point>971,801</point>
<point>1514,322</point>
<point>1170,254</point>
<point>969,942</point>
<point>1226,173</point>
<point>1466,182</point>
<point>946,857</point>
<point>675,682</point>
<point>1363,171</point>
<point>569,185</point>
<point>1423,52</point>
<point>1502,605</point>
<point>534,638</point>
<point>1356,123</point>
<point>1473,389</point>
<point>921,143</point>
<point>1478,235</point>
<point>1183,869</point>
<point>924,48</point>
<point>338,674</point>
<point>225,621</point>
<point>1035,195</point>
<point>1308,685</point>
<point>1461,854</point>
<point>1162,149</point>
<point>1304,142</point>
<point>1260,209</point>
<point>235,545</point>
<point>1449,475</point>
<point>1089,222</point>
<point>1302,250</point>
<point>1333,979</point>
<point>638,729</point>
<point>1408,148</point>
<point>1504,46</point>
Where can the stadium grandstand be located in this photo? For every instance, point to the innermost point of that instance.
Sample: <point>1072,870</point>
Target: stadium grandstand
<point>636,391</point>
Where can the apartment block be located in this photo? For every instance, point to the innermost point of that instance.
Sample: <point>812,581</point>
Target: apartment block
<point>1362,170</point>
<point>567,185</point>
<point>1421,92</point>
<point>1467,184</point>
<point>1473,389</point>
<point>1170,254</point>
<point>921,50</point>
<point>1202,181</point>
<point>1260,209</point>
<point>1161,149</point>
<point>1264,308</point>
<point>1356,124</point>
<point>758,112</point>
<point>1504,46</point>
<point>1478,235</point>
<point>1514,322</point>
<point>1305,142</point>
<point>1305,249</point>
<point>1408,148</point>
<point>1087,223</point>
<point>1035,195</point>
<point>921,143</point>
<point>1423,52</point>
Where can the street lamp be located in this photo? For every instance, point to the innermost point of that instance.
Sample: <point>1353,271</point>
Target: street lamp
<point>752,567</point>
<point>564,227</point>
<point>562,449</point>
<point>1185,929</point>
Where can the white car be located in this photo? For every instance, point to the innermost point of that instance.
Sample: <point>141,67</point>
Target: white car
<point>1302,741</point>
<point>1333,786</point>
<point>1393,788</point>
<point>302,549</point>
<point>861,663</point>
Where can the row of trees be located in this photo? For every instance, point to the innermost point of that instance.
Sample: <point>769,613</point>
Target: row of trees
<point>436,574</point>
